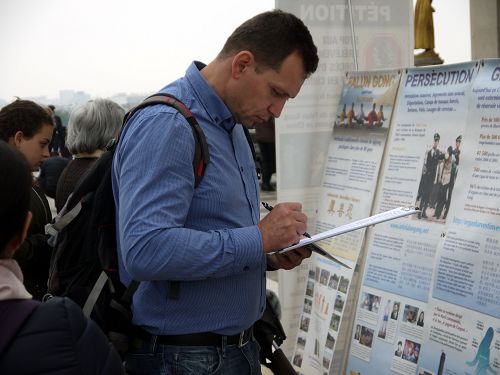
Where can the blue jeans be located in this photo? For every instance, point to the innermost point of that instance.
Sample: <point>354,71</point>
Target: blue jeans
<point>150,358</point>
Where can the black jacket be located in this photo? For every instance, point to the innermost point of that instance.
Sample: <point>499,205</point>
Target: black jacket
<point>58,339</point>
<point>34,254</point>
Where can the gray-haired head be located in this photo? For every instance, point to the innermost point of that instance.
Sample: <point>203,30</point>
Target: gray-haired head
<point>92,125</point>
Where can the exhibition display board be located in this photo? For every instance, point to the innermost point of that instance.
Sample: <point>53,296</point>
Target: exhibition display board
<point>354,157</point>
<point>428,300</point>
<point>421,168</point>
<point>384,40</point>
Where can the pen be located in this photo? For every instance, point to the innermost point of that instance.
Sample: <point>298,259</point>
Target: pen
<point>268,207</point>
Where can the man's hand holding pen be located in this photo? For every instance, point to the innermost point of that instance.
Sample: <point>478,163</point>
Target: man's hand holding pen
<point>284,226</point>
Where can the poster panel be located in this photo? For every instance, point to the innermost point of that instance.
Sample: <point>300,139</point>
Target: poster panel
<point>464,320</point>
<point>350,176</point>
<point>420,168</point>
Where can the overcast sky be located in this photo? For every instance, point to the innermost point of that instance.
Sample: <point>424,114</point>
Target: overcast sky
<point>105,47</point>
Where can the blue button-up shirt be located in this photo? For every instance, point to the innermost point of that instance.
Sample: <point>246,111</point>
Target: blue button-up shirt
<point>206,237</point>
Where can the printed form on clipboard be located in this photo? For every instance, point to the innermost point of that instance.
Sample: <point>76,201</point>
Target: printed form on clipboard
<point>366,222</point>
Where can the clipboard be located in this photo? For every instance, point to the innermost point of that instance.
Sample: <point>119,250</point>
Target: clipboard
<point>368,221</point>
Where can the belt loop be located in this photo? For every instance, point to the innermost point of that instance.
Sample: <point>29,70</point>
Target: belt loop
<point>223,346</point>
<point>240,341</point>
<point>152,343</point>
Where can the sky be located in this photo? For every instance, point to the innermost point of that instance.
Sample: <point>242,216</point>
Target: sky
<point>105,47</point>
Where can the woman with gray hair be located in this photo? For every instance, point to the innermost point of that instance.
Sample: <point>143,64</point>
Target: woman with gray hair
<point>90,128</point>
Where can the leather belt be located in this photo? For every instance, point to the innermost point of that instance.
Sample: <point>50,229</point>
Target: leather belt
<point>198,339</point>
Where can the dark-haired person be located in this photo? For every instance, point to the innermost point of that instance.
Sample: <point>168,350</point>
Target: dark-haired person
<point>28,127</point>
<point>57,143</point>
<point>39,338</point>
<point>201,253</point>
<point>266,139</point>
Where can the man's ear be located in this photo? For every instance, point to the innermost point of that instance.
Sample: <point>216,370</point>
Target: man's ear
<point>16,241</point>
<point>242,61</point>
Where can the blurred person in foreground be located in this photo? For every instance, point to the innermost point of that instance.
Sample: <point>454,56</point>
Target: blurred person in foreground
<point>265,136</point>
<point>39,338</point>
<point>201,253</point>
<point>90,128</point>
<point>50,171</point>
<point>28,127</point>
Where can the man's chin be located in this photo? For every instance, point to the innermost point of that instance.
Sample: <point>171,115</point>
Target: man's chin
<point>250,122</point>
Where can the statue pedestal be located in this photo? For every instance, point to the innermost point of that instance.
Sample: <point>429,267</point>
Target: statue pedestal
<point>428,57</point>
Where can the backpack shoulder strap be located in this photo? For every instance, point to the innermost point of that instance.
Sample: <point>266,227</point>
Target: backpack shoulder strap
<point>13,313</point>
<point>252,148</point>
<point>201,156</point>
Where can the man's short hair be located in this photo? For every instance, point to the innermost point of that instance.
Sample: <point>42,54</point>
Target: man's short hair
<point>271,37</point>
<point>15,174</point>
<point>22,115</point>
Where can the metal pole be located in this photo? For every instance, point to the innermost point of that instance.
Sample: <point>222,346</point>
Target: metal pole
<point>353,39</point>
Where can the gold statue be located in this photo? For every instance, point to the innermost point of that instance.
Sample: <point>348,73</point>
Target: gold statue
<point>424,34</point>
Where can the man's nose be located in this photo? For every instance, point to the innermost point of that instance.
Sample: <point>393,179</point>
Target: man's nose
<point>276,107</point>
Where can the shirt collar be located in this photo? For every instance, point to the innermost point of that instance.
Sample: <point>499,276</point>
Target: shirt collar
<point>213,104</point>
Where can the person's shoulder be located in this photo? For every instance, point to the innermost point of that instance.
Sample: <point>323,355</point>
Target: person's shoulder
<point>58,311</point>
<point>81,347</point>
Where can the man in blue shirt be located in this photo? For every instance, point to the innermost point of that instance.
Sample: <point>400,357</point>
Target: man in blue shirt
<point>208,240</point>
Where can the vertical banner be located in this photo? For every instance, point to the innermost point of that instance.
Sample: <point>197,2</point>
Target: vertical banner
<point>420,168</point>
<point>464,312</point>
<point>384,38</point>
<point>357,143</point>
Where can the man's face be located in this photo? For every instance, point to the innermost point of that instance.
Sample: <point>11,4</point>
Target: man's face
<point>436,143</point>
<point>260,93</point>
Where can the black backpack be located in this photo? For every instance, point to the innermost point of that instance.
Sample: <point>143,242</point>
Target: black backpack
<point>84,264</point>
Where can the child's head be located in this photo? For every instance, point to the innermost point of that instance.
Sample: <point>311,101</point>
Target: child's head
<point>15,177</point>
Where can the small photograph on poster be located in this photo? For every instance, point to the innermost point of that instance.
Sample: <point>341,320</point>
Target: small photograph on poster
<point>439,172</point>
<point>316,348</point>
<point>411,351</point>
<point>339,303</point>
<point>307,305</point>
<point>304,323</point>
<point>334,281</point>
<point>423,371</point>
<point>330,341</point>
<point>366,338</point>
<point>310,288</point>
<point>344,285</point>
<point>362,115</point>
<point>323,279</point>
<point>385,319</point>
<point>398,352</point>
<point>327,358</point>
<point>334,322</point>
<point>357,332</point>
<point>312,273</point>
<point>395,310</point>
<point>410,314</point>
<point>420,319</point>
<point>301,340</point>
<point>370,302</point>
<point>298,357</point>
